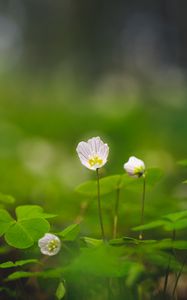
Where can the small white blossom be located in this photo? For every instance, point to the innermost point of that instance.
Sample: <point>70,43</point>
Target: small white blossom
<point>49,244</point>
<point>93,153</point>
<point>134,167</point>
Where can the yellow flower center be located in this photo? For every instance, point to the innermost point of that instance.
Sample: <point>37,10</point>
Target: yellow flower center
<point>96,160</point>
<point>52,245</point>
<point>139,171</point>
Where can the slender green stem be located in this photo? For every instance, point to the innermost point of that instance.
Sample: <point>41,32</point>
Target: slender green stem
<point>143,204</point>
<point>168,267</point>
<point>115,225</point>
<point>166,276</point>
<point>177,279</point>
<point>99,206</point>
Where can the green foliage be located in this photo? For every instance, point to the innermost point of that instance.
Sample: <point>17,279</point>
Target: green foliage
<point>60,292</point>
<point>108,185</point>
<point>18,263</point>
<point>111,183</point>
<point>6,199</point>
<point>5,221</point>
<point>19,275</point>
<point>183,162</point>
<point>90,242</point>
<point>28,228</point>
<point>70,233</point>
<point>170,222</point>
<point>103,260</point>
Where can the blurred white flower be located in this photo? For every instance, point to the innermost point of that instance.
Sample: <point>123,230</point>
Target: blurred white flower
<point>93,153</point>
<point>49,244</point>
<point>134,167</point>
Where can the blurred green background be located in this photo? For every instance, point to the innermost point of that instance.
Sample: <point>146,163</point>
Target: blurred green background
<point>72,70</point>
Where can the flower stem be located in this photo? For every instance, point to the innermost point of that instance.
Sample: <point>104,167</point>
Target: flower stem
<point>178,277</point>
<point>142,211</point>
<point>166,277</point>
<point>99,206</point>
<point>116,214</point>
<point>168,267</point>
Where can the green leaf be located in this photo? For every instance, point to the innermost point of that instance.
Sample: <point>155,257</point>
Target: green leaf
<point>25,212</point>
<point>70,233</point>
<point>183,162</point>
<point>21,274</point>
<point>18,263</point>
<point>169,222</point>
<point>60,292</point>
<point>49,273</point>
<point>88,188</point>
<point>115,242</point>
<point>92,242</point>
<point>52,273</point>
<point>7,199</point>
<point>123,241</point>
<point>180,245</point>
<point>135,272</point>
<point>111,183</point>
<point>176,216</point>
<point>24,233</point>
<point>5,221</point>
<point>181,224</point>
<point>107,185</point>
<point>160,258</point>
<point>150,225</point>
<point>104,261</point>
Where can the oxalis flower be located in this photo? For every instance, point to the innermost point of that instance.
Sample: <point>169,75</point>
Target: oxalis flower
<point>49,244</point>
<point>93,153</point>
<point>135,167</point>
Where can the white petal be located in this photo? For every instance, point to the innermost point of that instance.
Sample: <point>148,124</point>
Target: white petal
<point>95,144</point>
<point>84,149</point>
<point>103,152</point>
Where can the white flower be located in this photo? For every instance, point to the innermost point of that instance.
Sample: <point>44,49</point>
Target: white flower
<point>93,153</point>
<point>49,244</point>
<point>135,167</point>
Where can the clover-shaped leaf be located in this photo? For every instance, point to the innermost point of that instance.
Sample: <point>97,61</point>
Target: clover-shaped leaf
<point>28,228</point>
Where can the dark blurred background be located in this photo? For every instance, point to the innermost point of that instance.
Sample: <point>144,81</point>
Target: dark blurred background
<point>70,70</point>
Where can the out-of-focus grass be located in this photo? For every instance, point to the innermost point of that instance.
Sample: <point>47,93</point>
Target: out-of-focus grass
<point>41,123</point>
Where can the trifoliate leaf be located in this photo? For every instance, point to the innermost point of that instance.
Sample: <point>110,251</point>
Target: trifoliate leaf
<point>25,212</point>
<point>24,233</point>
<point>5,221</point>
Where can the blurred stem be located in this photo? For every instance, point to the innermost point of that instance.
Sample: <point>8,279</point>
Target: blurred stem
<point>143,204</point>
<point>168,267</point>
<point>116,214</point>
<point>99,206</point>
<point>166,276</point>
<point>177,279</point>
